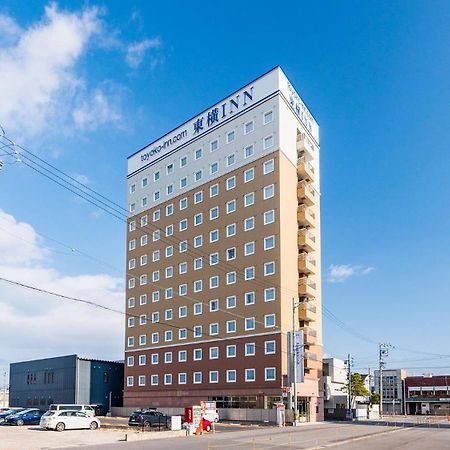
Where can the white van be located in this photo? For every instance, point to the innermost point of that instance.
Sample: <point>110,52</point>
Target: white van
<point>87,409</point>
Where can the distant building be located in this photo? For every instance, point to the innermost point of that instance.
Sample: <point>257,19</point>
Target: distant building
<point>393,390</point>
<point>428,394</point>
<point>4,398</point>
<point>65,379</point>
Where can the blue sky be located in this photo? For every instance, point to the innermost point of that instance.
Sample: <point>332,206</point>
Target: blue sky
<point>85,86</point>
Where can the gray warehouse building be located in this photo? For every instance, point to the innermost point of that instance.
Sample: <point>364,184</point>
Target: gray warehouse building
<point>66,379</point>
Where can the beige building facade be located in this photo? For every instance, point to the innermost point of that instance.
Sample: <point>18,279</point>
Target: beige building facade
<point>223,238</point>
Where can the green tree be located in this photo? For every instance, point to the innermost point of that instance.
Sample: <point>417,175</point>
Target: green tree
<point>358,388</point>
<point>375,399</point>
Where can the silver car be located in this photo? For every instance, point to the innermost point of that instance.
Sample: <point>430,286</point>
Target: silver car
<point>68,420</point>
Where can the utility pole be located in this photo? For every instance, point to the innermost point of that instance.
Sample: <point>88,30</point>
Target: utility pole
<point>294,357</point>
<point>384,352</point>
<point>349,364</point>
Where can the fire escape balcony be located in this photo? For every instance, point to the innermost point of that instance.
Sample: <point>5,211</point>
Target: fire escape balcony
<point>306,240</point>
<point>306,194</point>
<point>306,287</point>
<point>307,312</point>
<point>306,264</point>
<point>305,216</point>
<point>305,170</point>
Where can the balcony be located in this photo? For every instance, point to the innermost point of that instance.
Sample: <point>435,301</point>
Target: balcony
<point>307,313</point>
<point>309,336</point>
<point>306,287</point>
<point>312,362</point>
<point>306,193</point>
<point>306,264</point>
<point>305,147</point>
<point>306,240</point>
<point>305,170</point>
<point>305,216</point>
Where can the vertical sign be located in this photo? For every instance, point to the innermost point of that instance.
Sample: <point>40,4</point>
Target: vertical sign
<point>298,355</point>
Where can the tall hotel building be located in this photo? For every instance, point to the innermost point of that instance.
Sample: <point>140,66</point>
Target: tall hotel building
<point>223,239</point>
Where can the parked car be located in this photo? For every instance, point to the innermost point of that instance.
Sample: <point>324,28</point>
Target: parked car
<point>89,410</point>
<point>30,416</point>
<point>207,425</point>
<point>148,417</point>
<point>212,415</point>
<point>61,420</point>
<point>8,412</point>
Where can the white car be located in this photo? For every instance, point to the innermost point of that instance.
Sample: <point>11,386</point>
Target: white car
<point>68,420</point>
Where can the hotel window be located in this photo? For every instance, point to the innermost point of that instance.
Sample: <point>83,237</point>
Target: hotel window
<point>249,151</point>
<point>198,241</point>
<point>183,161</point>
<point>198,197</point>
<point>183,225</point>
<point>269,242</point>
<point>214,305</point>
<point>183,203</point>
<point>231,277</point>
<point>269,374</point>
<point>155,317</point>
<point>132,189</point>
<point>231,376</point>
<point>168,357</point>
<point>268,191</point>
<point>130,361</point>
<point>249,323</point>
<point>132,207</point>
<point>143,319</point>
<point>249,175</point>
<point>269,320</point>
<point>197,354</point>
<point>169,251</point>
<point>231,183</point>
<point>249,248</point>
<point>198,309</point>
<point>169,169</point>
<point>231,229</point>
<point>168,335</point>
<point>249,273</point>
<point>182,333</point>
<point>182,311</point>
<point>144,202</point>
<point>213,376</point>
<point>213,352</point>
<point>213,235</point>
<point>156,176</point>
<point>182,378</point>
<point>269,268</point>
<point>198,263</point>
<point>183,182</point>
<point>156,196</point>
<point>249,375</point>
<point>214,190</point>
<point>213,259</point>
<point>198,175</point>
<point>167,378</point>
<point>249,224</point>
<point>182,289</point>
<point>198,219</point>
<point>130,381</point>
<point>231,253</point>
<point>143,260</point>
<point>168,293</point>
<point>231,302</point>
<point>155,255</point>
<point>231,351</point>
<point>197,378</point>
<point>268,166</point>
<point>249,298</point>
<point>182,356</point>
<point>267,117</point>
<point>131,341</point>
<point>154,380</point>
<point>269,347</point>
<point>249,199</point>
<point>198,153</point>
<point>156,235</point>
<point>182,268</point>
<point>155,338</point>
<point>144,240</point>
<point>213,329</point>
<point>250,349</point>
<point>131,302</point>
<point>142,360</point>
<point>132,244</point>
<point>155,296</point>
<point>198,286</point>
<point>144,221</point>
<point>214,145</point>
<point>214,213</point>
<point>144,182</point>
<point>169,209</point>
<point>231,159</point>
<point>132,225</point>
<point>131,264</point>
<point>268,142</point>
<point>269,294</point>
<point>231,326</point>
<point>142,339</point>
<point>155,359</point>
<point>131,283</point>
<point>169,230</point>
<point>269,217</point>
<point>213,168</point>
<point>168,314</point>
<point>183,246</point>
<point>249,127</point>
<point>130,322</point>
<point>169,189</point>
<point>231,136</point>
<point>214,282</point>
<point>231,206</point>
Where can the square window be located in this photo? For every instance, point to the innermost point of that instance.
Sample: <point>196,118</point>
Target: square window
<point>249,248</point>
<point>198,197</point>
<point>142,360</point>
<point>168,293</point>
<point>213,329</point>
<point>231,159</point>
<point>249,224</point>
<point>198,175</point>
<point>169,169</point>
<point>132,225</point>
<point>214,145</point>
<point>183,161</point>
<point>249,199</point>
<point>168,357</point>
<point>268,142</point>
<point>197,378</point>
<point>231,183</point>
<point>142,339</point>
<point>249,323</point>
<point>231,206</point>
<point>214,190</point>
<point>214,168</point>
<point>144,240</point>
<point>155,317</point>
<point>231,351</point>
<point>183,224</point>
<point>249,151</point>
<point>269,268</point>
<point>231,376</point>
<point>182,247</point>
<point>198,153</point>
<point>154,359</point>
<point>250,375</point>
<point>144,202</point>
<point>169,251</point>
<point>214,282</point>
<point>143,319</point>
<point>183,203</point>
<point>213,235</point>
<point>131,302</point>
<point>249,127</point>
<point>213,376</point>
<point>156,235</point>
<point>198,331</point>
<point>268,166</point>
<point>231,302</point>
<point>144,221</point>
<point>231,277</point>
<point>183,182</point>
<point>198,219</point>
<point>168,335</point>
<point>143,260</point>
<point>169,230</point>
<point>214,213</point>
<point>231,229</point>
<point>132,189</point>
<point>168,314</point>
<point>214,305</point>
<point>182,268</point>
<point>156,176</point>
<point>213,259</point>
<point>270,374</point>
<point>132,244</point>
<point>269,242</point>
<point>268,191</point>
<point>198,241</point>
<point>249,298</point>
<point>156,196</point>
<point>213,352</point>
<point>131,283</point>
<point>130,322</point>
<point>154,380</point>
<point>198,263</point>
<point>130,381</point>
<point>198,286</point>
<point>182,289</point>
<point>269,294</point>
<point>143,299</point>
<point>249,273</point>
<point>169,209</point>
<point>197,309</point>
<point>197,356</point>
<point>131,264</point>
<point>130,361</point>
<point>132,207</point>
<point>155,255</point>
<point>182,378</point>
<point>267,117</point>
<point>249,175</point>
<point>231,253</point>
<point>269,320</point>
<point>167,378</point>
<point>231,136</point>
<point>130,341</point>
<point>269,217</point>
<point>231,326</point>
<point>182,356</point>
<point>169,189</point>
<point>269,347</point>
<point>250,349</point>
<point>155,296</point>
<point>182,311</point>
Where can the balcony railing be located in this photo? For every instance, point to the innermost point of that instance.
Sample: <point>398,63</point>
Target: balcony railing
<point>306,193</point>
<point>305,170</point>
<point>307,313</point>
<point>306,264</point>
<point>309,336</point>
<point>306,240</point>
<point>305,216</point>
<point>305,146</point>
<point>306,287</point>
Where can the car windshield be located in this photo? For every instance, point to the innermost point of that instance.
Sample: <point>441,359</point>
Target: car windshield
<point>49,413</point>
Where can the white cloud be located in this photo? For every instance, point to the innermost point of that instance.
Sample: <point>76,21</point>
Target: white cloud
<point>339,273</point>
<point>39,83</point>
<point>136,52</point>
<point>57,326</point>
<point>83,179</point>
